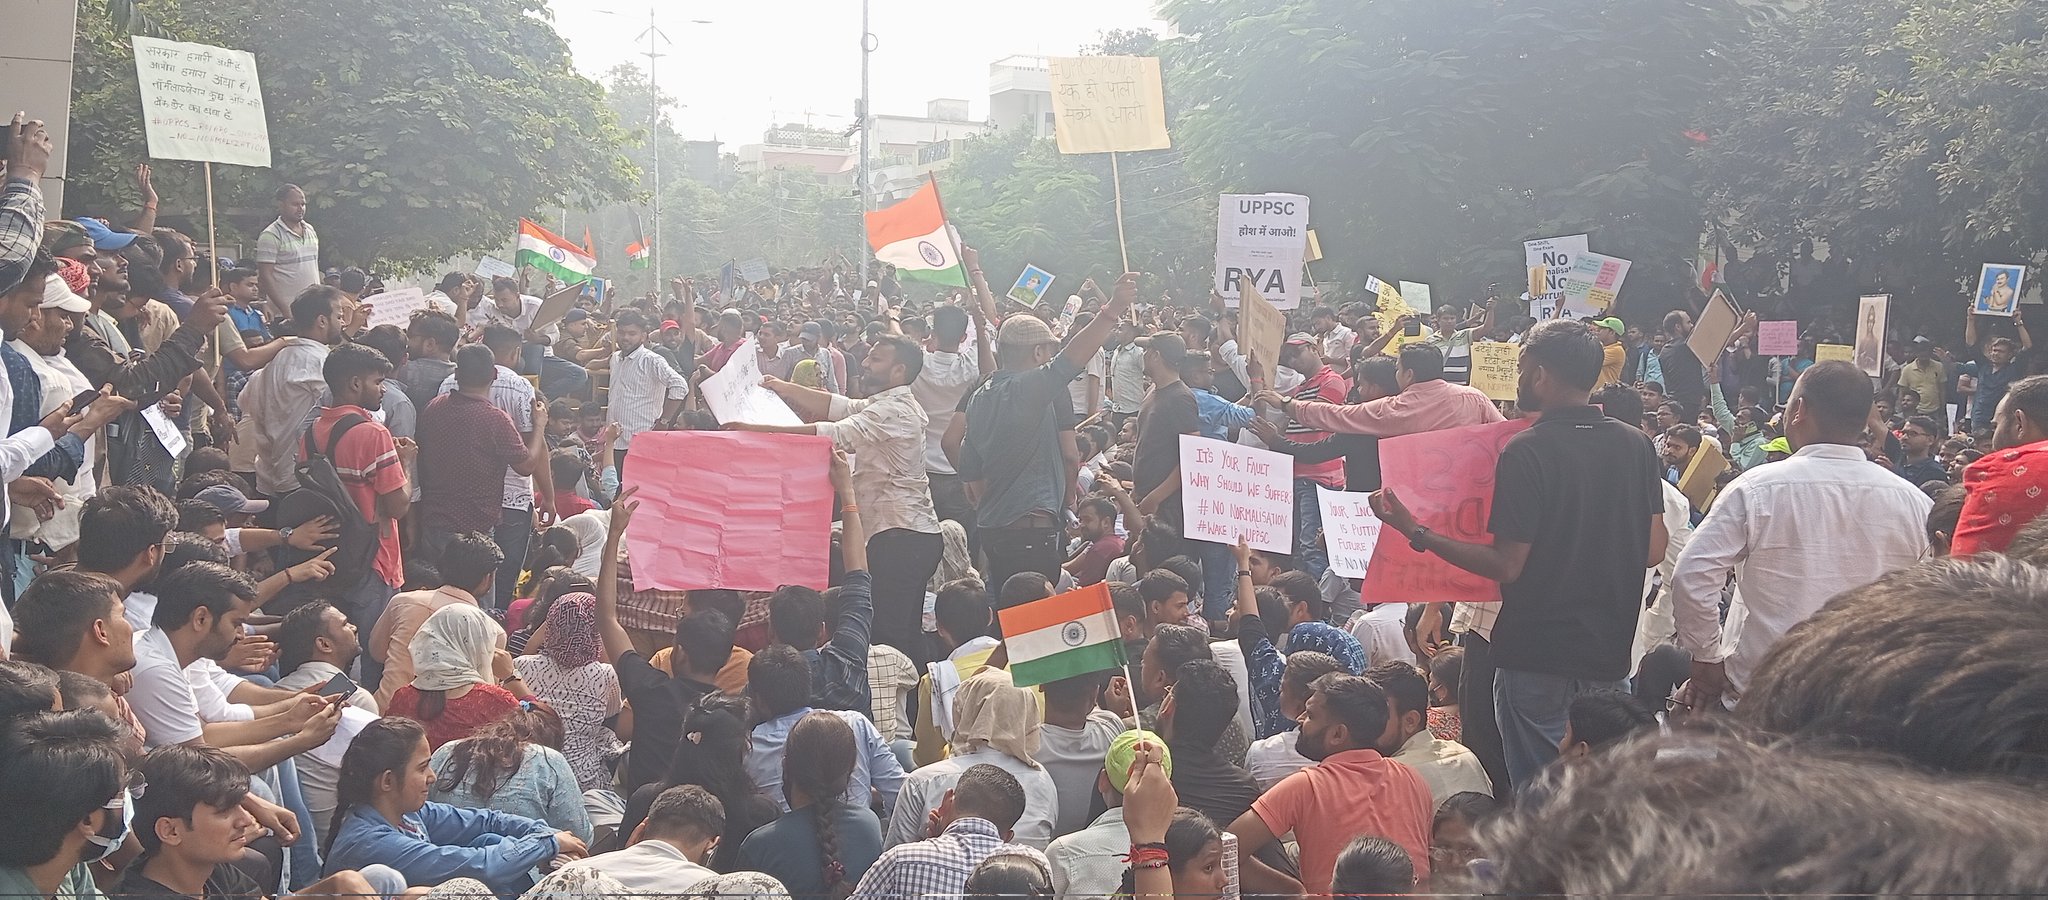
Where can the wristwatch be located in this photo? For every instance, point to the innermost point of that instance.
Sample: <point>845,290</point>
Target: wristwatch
<point>1415,538</point>
<point>285,534</point>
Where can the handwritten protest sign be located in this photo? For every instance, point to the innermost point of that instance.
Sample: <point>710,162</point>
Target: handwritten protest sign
<point>735,394</point>
<point>1229,490</point>
<point>1350,530</point>
<point>1264,330</point>
<point>1829,352</point>
<point>754,270</point>
<point>1777,338</point>
<point>492,267</point>
<point>1261,241</point>
<point>1446,479</point>
<point>201,103</point>
<point>1554,256</point>
<point>1417,295</point>
<point>1391,309</point>
<point>395,307</point>
<point>1710,336</point>
<point>749,512</point>
<point>1592,283</point>
<point>1108,104</point>
<point>1496,369</point>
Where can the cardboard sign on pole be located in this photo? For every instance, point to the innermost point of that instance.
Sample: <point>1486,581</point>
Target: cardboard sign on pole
<point>1710,336</point>
<point>1264,329</point>
<point>201,103</point>
<point>1107,104</point>
<point>1262,241</point>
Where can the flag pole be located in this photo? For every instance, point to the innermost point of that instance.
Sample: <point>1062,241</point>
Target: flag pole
<point>952,234</point>
<point>1116,181</point>
<point>212,233</point>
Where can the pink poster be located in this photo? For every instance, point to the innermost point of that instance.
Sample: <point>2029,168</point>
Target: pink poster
<point>730,509</point>
<point>1777,338</point>
<point>1446,479</point>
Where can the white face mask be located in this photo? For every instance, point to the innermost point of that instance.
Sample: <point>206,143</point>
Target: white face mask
<point>110,844</point>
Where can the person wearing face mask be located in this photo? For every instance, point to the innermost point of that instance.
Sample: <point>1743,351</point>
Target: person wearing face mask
<point>63,783</point>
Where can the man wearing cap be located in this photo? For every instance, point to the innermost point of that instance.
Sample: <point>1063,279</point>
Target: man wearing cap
<point>1010,449</point>
<point>1089,863</point>
<point>54,521</point>
<point>811,345</point>
<point>287,253</point>
<point>1613,355</point>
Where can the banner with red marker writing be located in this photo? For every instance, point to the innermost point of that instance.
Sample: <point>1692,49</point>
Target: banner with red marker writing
<point>730,509</point>
<point>1446,479</point>
<point>1229,490</point>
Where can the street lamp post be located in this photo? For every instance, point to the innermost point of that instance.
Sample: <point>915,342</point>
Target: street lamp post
<point>867,48</point>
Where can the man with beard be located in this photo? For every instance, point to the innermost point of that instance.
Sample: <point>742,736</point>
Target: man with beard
<point>646,392</point>
<point>372,467</point>
<point>278,397</point>
<point>1351,790</point>
<point>885,433</point>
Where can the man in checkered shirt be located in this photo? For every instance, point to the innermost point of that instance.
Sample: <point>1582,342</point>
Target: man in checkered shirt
<point>976,823</point>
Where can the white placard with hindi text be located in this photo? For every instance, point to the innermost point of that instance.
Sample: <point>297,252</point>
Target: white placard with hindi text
<point>395,307</point>
<point>491,267</point>
<point>1350,530</point>
<point>166,430</point>
<point>201,103</point>
<point>735,394</point>
<point>1228,490</point>
<point>1262,238</point>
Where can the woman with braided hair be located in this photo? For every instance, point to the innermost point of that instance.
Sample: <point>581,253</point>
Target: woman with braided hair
<point>823,845</point>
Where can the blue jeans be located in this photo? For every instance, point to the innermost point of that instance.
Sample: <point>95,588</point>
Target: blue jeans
<point>514,532</point>
<point>1309,555</point>
<point>1219,581</point>
<point>1531,709</point>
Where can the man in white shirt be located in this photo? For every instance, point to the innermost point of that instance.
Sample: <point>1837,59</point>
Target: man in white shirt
<point>1272,759</point>
<point>646,392</point>
<point>281,394</point>
<point>315,644</point>
<point>1333,339</point>
<point>1126,374</point>
<point>1088,864</point>
<point>1446,766</point>
<point>1794,533</point>
<point>886,435</point>
<point>669,848</point>
<point>287,253</point>
<point>940,385</point>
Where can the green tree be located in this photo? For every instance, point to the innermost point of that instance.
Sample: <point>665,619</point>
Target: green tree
<point>1433,136</point>
<point>420,131</point>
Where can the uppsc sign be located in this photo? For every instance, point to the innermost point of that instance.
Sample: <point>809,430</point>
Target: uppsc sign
<point>1229,490</point>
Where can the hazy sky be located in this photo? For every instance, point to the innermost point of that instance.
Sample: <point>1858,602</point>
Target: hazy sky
<point>765,61</point>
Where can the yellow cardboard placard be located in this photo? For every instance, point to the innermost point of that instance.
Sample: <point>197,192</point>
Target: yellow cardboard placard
<point>1496,369</point>
<point>1105,104</point>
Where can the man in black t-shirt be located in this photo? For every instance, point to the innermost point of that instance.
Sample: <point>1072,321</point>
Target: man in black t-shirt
<point>1168,412</point>
<point>1577,516</point>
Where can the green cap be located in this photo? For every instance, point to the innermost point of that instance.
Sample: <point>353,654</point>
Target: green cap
<point>1124,750</point>
<point>1778,445</point>
<point>1612,324</point>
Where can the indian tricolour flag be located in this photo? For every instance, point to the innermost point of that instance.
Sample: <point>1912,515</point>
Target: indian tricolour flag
<point>913,236</point>
<point>639,255</point>
<point>1063,635</point>
<point>552,253</point>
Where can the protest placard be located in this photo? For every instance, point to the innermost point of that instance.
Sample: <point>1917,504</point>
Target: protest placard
<point>1697,483</point>
<point>1107,104</point>
<point>1264,330</point>
<point>1592,283</point>
<point>201,103</point>
<point>1873,314</point>
<point>1228,490</point>
<point>735,394</point>
<point>1031,286</point>
<point>1496,369</point>
<point>1828,352</point>
<point>1446,479</point>
<point>555,306</point>
<point>754,270</point>
<point>1779,338</point>
<point>1350,530</point>
<point>1710,336</point>
<point>1417,295</point>
<point>395,307</point>
<point>491,267</point>
<point>730,509</point>
<point>1554,256</point>
<point>1261,240</point>
<point>1392,307</point>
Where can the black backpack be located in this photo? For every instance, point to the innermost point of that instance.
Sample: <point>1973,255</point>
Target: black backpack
<point>321,493</point>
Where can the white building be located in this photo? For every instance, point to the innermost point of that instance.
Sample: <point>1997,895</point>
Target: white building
<point>1020,94</point>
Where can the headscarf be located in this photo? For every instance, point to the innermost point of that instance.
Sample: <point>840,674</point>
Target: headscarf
<point>76,276</point>
<point>990,710</point>
<point>572,640</point>
<point>453,649</point>
<point>1325,638</point>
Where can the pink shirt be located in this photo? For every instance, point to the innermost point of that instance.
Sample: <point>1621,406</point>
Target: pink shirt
<point>1428,406</point>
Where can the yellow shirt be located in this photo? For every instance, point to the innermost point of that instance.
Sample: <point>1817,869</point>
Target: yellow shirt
<point>1612,358</point>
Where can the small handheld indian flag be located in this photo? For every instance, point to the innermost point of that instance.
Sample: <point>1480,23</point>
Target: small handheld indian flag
<point>639,255</point>
<point>914,237</point>
<point>1061,636</point>
<point>552,254</point>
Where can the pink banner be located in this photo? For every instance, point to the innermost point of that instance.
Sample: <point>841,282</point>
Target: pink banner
<point>1777,338</point>
<point>730,509</point>
<point>1446,479</point>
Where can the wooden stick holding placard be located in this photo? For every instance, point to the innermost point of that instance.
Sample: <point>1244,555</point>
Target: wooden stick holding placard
<point>212,232</point>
